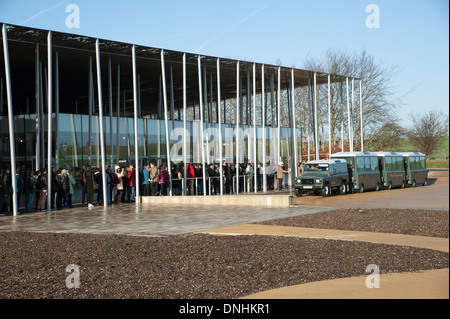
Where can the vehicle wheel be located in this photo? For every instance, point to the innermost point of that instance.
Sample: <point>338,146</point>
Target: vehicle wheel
<point>343,189</point>
<point>298,192</point>
<point>361,188</point>
<point>403,184</point>
<point>389,186</point>
<point>377,188</point>
<point>425,182</point>
<point>414,183</point>
<point>326,191</point>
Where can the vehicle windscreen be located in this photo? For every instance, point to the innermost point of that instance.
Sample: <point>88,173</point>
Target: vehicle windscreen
<point>316,167</point>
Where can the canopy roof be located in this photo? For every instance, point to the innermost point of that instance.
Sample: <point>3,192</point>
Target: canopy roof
<point>75,51</point>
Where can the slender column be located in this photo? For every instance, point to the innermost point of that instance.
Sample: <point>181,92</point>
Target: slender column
<point>118,117</point>
<point>57,111</point>
<point>38,114</point>
<point>100,116</point>
<point>329,115</point>
<point>361,114</point>
<point>237,124</point>
<point>294,129</point>
<point>349,118</point>
<point>10,119</point>
<point>219,115</point>
<point>279,116</point>
<point>136,145</point>
<point>353,107</point>
<point>110,115</point>
<point>42,117</point>
<point>263,117</point>
<point>316,136</point>
<point>163,70</point>
<point>184,127</point>
<point>255,155</point>
<point>50,104</point>
<point>91,93</point>
<point>201,122</point>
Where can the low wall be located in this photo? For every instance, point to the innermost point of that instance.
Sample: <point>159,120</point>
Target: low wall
<point>224,200</point>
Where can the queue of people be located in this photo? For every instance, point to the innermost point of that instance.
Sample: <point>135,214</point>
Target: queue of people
<point>32,187</point>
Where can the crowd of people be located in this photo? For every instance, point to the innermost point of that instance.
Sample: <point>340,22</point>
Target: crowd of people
<point>32,187</point>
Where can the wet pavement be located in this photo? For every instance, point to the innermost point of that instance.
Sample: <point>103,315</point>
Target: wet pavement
<point>145,220</point>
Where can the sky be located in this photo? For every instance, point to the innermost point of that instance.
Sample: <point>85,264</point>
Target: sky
<point>412,35</point>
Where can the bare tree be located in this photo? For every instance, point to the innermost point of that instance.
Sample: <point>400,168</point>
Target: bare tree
<point>378,102</point>
<point>428,131</point>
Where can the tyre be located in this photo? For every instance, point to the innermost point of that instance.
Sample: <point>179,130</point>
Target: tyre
<point>414,183</point>
<point>403,184</point>
<point>298,192</point>
<point>326,191</point>
<point>389,185</point>
<point>377,188</point>
<point>425,182</point>
<point>361,188</point>
<point>343,189</point>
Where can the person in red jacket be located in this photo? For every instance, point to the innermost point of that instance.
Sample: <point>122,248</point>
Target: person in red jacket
<point>190,182</point>
<point>131,181</point>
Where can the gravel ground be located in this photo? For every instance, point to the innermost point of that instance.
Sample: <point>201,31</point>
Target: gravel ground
<point>194,266</point>
<point>198,266</point>
<point>398,221</point>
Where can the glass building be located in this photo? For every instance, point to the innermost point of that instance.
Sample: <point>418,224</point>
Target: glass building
<point>70,100</point>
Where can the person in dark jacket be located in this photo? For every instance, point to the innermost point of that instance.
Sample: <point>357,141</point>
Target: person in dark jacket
<point>89,178</point>
<point>3,193</point>
<point>42,190</point>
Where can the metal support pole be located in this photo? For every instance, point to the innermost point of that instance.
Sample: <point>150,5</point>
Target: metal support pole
<point>237,124</point>
<point>163,70</point>
<point>329,115</point>
<point>38,113</point>
<point>349,119</point>
<point>136,145</point>
<point>57,111</point>
<point>353,107</point>
<point>255,155</point>
<point>91,93</point>
<point>294,129</point>
<point>201,121</point>
<point>361,114</point>
<point>118,117</point>
<point>219,115</point>
<point>10,120</point>
<point>263,117</point>
<point>100,115</point>
<point>279,116</point>
<point>316,135</point>
<point>184,127</point>
<point>110,115</point>
<point>49,136</point>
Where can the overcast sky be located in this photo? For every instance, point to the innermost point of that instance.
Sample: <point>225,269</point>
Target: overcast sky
<point>411,34</point>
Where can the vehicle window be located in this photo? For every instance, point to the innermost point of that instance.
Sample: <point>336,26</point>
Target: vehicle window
<point>423,162</point>
<point>374,163</point>
<point>360,164</point>
<point>413,162</point>
<point>367,164</point>
<point>316,167</point>
<point>388,163</point>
